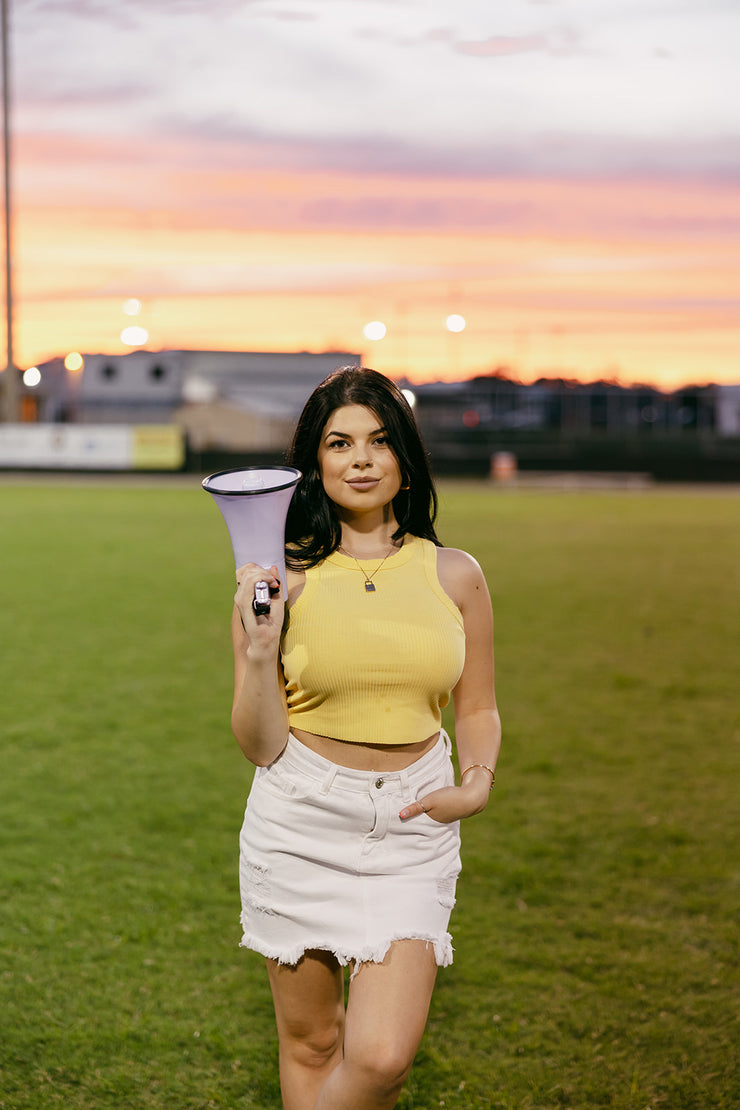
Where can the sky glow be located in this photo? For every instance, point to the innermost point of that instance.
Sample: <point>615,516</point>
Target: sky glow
<point>274,174</point>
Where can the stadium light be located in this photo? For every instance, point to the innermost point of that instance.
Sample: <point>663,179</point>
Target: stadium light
<point>134,336</point>
<point>74,362</point>
<point>375,330</point>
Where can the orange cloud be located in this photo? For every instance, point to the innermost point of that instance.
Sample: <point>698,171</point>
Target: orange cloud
<point>631,278</point>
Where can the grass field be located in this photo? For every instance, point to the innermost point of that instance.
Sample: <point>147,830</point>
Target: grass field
<point>596,924</point>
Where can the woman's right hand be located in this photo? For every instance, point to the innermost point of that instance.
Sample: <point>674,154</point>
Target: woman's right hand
<point>259,712</point>
<point>263,631</point>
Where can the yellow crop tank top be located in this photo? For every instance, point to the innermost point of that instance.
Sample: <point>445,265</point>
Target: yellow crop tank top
<point>373,668</point>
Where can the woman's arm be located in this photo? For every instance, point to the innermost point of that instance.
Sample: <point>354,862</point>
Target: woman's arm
<point>477,722</point>
<point>259,714</point>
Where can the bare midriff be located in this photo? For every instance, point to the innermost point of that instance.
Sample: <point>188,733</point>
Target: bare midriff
<point>366,757</point>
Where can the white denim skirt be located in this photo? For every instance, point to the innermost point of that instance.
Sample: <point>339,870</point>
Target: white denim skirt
<point>327,863</point>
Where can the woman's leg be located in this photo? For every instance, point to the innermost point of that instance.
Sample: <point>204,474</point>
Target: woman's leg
<point>309,1010</point>
<point>386,1016</point>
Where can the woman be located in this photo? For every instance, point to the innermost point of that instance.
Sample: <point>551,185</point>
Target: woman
<point>350,843</point>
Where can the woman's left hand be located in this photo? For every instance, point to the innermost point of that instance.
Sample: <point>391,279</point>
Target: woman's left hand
<point>450,803</point>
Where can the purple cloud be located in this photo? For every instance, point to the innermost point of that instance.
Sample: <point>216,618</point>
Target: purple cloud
<point>499,46</point>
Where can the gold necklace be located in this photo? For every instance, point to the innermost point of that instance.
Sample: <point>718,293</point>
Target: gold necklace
<point>369,584</point>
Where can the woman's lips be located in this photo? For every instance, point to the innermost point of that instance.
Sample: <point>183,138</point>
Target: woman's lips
<point>362,483</point>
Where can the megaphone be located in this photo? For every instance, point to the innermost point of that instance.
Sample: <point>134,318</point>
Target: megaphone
<point>254,502</point>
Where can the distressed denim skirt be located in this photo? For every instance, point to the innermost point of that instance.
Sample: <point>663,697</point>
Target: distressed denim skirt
<point>326,862</point>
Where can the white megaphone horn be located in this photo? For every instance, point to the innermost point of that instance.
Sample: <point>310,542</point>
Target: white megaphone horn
<point>254,502</point>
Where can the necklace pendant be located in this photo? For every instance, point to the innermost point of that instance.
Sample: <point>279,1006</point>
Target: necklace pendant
<point>369,587</point>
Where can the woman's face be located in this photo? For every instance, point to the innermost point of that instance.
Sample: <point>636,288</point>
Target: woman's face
<point>357,465</point>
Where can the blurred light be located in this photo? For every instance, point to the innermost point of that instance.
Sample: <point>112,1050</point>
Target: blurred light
<point>376,329</point>
<point>32,377</point>
<point>471,419</point>
<point>132,307</point>
<point>410,397</point>
<point>74,362</point>
<point>455,322</point>
<point>199,391</point>
<point>134,336</point>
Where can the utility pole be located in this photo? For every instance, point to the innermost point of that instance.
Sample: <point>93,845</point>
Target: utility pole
<point>10,378</point>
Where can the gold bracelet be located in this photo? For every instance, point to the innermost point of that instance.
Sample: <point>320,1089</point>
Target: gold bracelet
<point>485,768</point>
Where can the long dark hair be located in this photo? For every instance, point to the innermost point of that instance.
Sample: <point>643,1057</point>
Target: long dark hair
<point>312,528</point>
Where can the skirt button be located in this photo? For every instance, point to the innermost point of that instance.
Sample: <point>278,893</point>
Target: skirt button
<point>378,783</point>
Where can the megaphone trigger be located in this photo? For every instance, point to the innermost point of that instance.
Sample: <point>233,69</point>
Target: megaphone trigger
<point>261,603</point>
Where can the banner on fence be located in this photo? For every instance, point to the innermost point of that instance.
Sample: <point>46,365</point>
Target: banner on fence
<point>91,446</point>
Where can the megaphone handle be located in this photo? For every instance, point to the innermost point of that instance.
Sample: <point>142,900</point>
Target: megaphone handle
<point>261,603</point>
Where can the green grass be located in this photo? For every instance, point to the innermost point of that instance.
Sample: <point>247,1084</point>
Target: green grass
<point>596,924</point>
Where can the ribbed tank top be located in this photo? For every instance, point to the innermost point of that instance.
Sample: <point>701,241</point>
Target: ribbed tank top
<point>373,668</point>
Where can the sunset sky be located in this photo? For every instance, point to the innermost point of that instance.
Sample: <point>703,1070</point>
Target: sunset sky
<point>273,174</point>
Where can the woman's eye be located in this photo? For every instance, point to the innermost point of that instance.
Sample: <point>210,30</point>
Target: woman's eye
<point>338,443</point>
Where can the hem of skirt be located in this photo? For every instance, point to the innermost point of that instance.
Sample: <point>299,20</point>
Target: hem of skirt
<point>374,954</point>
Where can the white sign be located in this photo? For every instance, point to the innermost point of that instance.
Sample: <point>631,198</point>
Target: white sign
<point>90,446</point>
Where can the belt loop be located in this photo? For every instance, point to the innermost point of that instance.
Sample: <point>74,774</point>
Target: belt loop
<point>329,777</point>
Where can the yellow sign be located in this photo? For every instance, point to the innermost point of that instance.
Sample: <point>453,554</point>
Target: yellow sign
<point>158,447</point>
